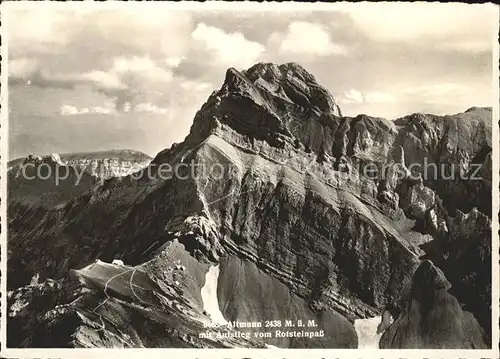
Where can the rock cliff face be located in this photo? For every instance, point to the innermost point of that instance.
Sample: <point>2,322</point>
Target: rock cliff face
<point>296,203</point>
<point>433,317</point>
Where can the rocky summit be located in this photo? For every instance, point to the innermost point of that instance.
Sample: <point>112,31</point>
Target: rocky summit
<point>276,222</point>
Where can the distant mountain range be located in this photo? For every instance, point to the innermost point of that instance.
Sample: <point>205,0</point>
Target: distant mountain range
<point>92,161</point>
<point>54,179</point>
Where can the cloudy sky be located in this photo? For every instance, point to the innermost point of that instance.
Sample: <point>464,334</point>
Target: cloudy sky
<point>97,77</point>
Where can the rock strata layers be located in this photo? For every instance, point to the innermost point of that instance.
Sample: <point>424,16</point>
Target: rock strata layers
<point>332,213</point>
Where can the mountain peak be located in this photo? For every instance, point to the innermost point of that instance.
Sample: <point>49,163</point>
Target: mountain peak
<point>52,159</point>
<point>268,102</point>
<point>477,108</point>
<point>268,70</point>
<point>286,83</point>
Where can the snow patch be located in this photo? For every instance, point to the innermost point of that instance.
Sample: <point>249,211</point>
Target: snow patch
<point>269,346</point>
<point>209,296</point>
<point>366,329</point>
<point>57,159</point>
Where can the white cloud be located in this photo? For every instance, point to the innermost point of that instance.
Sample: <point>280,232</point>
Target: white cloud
<point>231,49</point>
<point>460,26</point>
<point>103,79</point>
<point>306,38</point>
<point>38,27</point>
<point>379,97</point>
<point>439,91</point>
<point>148,107</point>
<point>196,86</point>
<point>154,29</point>
<point>445,97</point>
<point>98,109</point>
<point>99,31</point>
<point>143,66</point>
<point>129,77</point>
<point>357,97</point>
<point>140,73</point>
<point>174,61</point>
<point>22,67</point>
<point>69,110</point>
<point>128,80</point>
<point>352,96</point>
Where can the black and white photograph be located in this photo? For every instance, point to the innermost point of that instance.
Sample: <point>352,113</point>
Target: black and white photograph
<point>262,177</point>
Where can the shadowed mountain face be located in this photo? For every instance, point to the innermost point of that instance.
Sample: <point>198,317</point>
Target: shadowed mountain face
<point>433,317</point>
<point>310,216</point>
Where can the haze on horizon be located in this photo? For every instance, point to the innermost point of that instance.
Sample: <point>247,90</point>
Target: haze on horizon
<point>89,78</point>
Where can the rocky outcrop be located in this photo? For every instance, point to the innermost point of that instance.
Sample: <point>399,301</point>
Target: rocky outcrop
<point>272,183</point>
<point>432,317</point>
<point>118,306</point>
<point>463,253</point>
